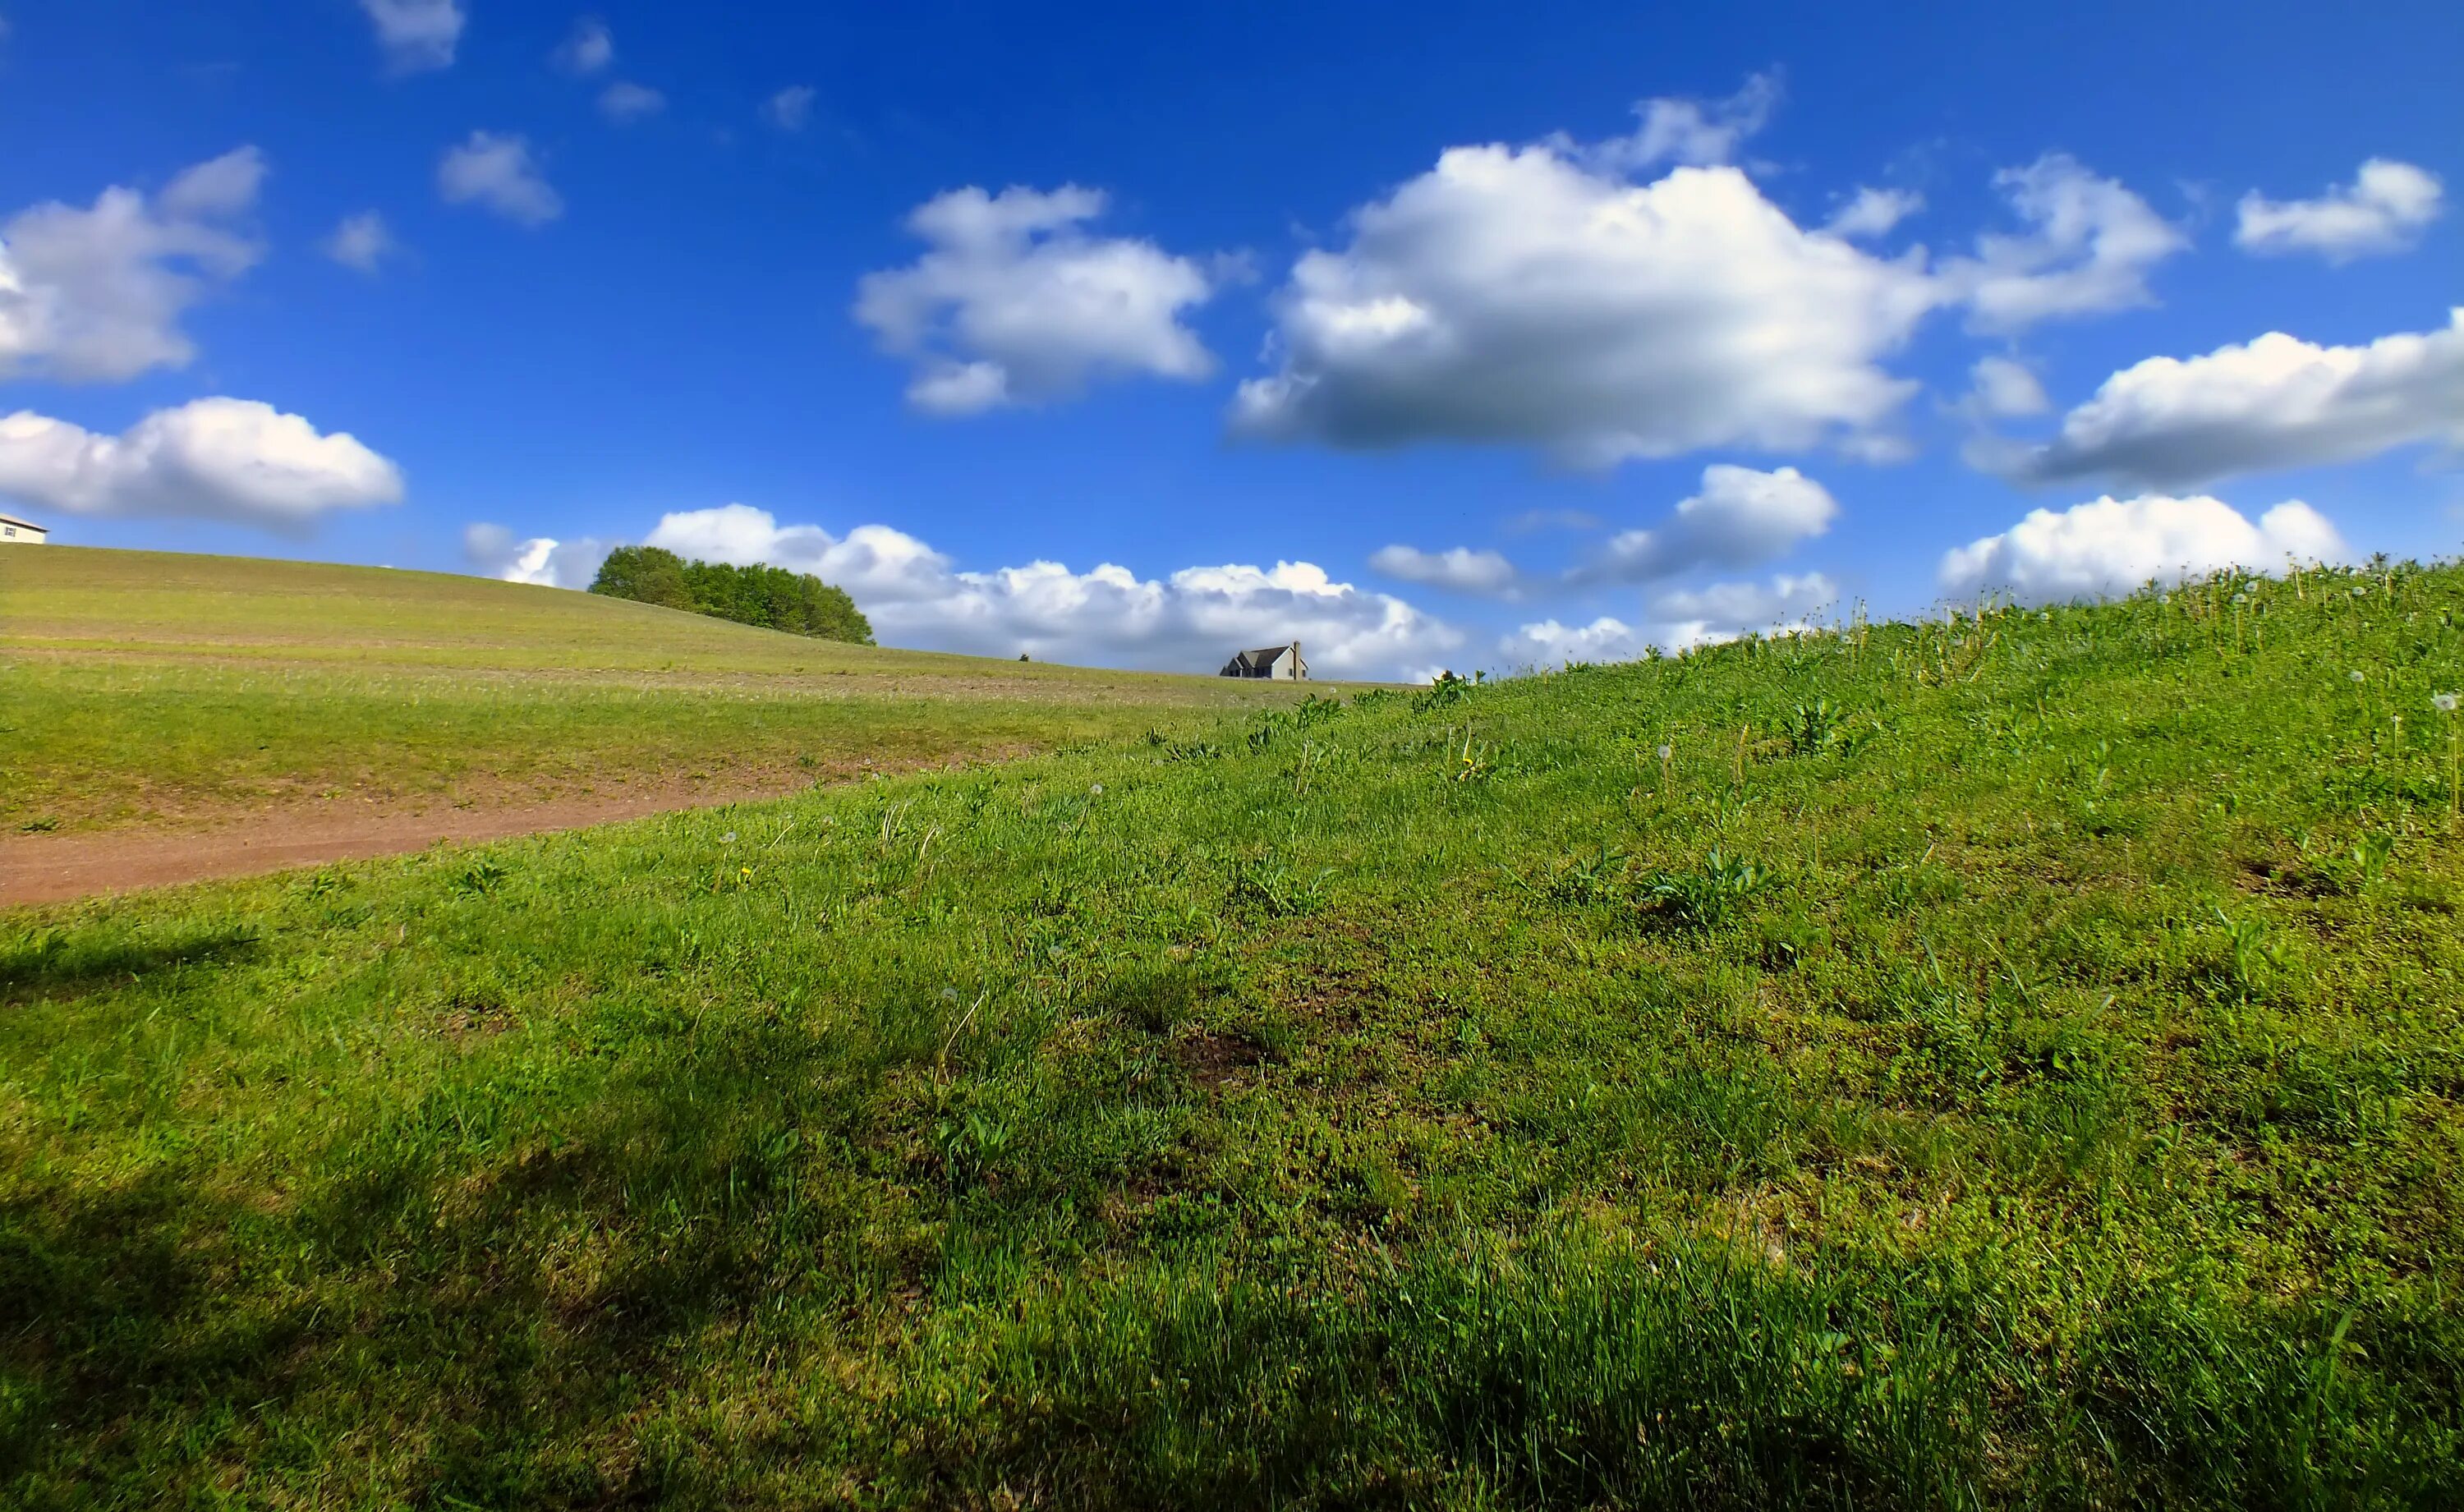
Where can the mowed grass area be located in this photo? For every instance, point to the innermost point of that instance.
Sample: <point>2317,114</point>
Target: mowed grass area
<point>148,686</point>
<point>2010,1061</point>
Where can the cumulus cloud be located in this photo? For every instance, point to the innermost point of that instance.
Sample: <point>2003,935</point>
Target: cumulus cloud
<point>1740,518</point>
<point>541,559</point>
<point>2111,546</point>
<point>1726,610</point>
<point>587,49</point>
<point>1523,297</point>
<point>499,173</point>
<point>2382,210</point>
<point>362,241</point>
<point>1547,642</point>
<point>790,108</point>
<point>1015,303</point>
<point>96,295</point>
<point>1681,130</point>
<point>2088,249</point>
<point>624,101</point>
<point>417,35</point>
<point>1675,620</point>
<point>1109,616</point>
<point>2277,402</point>
<point>1872,212</point>
<point>1460,569</point>
<point>228,459</point>
<point>2003,387</point>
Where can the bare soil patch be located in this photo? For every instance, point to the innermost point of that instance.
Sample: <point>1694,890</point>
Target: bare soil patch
<point>59,868</point>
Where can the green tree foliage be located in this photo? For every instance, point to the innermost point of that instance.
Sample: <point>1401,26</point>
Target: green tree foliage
<point>772,598</point>
<point>645,574</point>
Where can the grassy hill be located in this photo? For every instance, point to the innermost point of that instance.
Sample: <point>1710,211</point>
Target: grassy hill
<point>148,686</point>
<point>2012,1061</point>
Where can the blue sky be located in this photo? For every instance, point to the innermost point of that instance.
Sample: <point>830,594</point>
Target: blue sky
<point>1218,305</point>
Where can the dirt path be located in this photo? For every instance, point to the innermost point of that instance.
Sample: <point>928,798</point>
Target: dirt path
<point>55,868</point>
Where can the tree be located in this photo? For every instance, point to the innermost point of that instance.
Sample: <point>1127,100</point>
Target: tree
<point>772,598</point>
<point>646,575</point>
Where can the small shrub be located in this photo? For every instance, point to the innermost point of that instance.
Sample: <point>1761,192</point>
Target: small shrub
<point>1445,690</point>
<point>1708,897</point>
<point>1277,891</point>
<point>2252,956</point>
<point>480,879</point>
<point>1817,727</point>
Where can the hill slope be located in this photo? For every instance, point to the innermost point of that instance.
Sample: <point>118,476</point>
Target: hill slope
<point>2016,1061</point>
<point>153,688</point>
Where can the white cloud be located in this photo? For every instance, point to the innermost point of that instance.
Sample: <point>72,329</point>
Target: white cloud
<point>1726,610</point>
<point>230,459</point>
<point>417,35</point>
<point>1460,569</point>
<point>587,48</point>
<point>1547,642</point>
<point>96,295</point>
<point>1017,304</point>
<point>498,172</point>
<point>1740,518</point>
<point>1723,611</point>
<point>2089,250</point>
<point>2273,403</point>
<point>624,101</point>
<point>2002,387</point>
<point>1189,621</point>
<point>1532,519</point>
<point>2111,547</point>
<point>2382,210</point>
<point>1515,296</point>
<point>1872,212</point>
<point>541,560</point>
<point>360,241</point>
<point>790,108</point>
<point>1680,130</point>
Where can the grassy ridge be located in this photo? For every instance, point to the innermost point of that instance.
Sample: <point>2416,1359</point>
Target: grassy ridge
<point>141,687</point>
<point>2014,1060</point>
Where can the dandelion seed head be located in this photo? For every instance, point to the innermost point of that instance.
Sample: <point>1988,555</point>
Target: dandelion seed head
<point>1097,791</point>
<point>2444,703</point>
<point>728,839</point>
<point>949,994</point>
<point>2241,599</point>
<point>1665,751</point>
<point>2360,592</point>
<point>2356,676</point>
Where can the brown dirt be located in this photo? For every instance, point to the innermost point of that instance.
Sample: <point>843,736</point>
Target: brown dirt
<point>59,867</point>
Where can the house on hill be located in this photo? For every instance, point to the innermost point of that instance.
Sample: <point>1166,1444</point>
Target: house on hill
<point>1282,662</point>
<point>15,532</point>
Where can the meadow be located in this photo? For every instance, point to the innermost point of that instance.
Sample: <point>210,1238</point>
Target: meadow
<point>2007,1060</point>
<point>155,688</point>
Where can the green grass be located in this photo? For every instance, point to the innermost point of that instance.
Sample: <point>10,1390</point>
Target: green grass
<point>147,686</point>
<point>2012,1061</point>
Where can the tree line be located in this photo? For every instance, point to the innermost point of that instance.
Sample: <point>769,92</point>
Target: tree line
<point>772,598</point>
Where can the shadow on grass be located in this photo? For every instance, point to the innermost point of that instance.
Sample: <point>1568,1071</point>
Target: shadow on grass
<point>713,1278</point>
<point>56,961</point>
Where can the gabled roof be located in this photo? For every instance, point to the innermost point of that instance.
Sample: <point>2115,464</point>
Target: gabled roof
<point>11,519</point>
